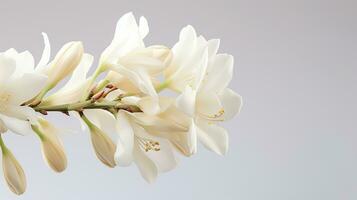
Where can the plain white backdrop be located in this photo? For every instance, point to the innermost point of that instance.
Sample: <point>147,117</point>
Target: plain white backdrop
<point>295,66</point>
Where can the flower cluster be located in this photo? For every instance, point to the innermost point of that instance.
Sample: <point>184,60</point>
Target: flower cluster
<point>128,121</point>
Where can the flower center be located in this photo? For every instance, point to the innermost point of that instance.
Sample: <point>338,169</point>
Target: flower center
<point>148,145</point>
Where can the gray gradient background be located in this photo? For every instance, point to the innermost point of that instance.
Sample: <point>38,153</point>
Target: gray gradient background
<point>295,66</point>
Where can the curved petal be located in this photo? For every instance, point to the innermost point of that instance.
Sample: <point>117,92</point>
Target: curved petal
<point>145,165</point>
<point>209,106</point>
<point>163,156</point>
<point>127,37</point>
<point>125,144</point>
<point>22,112</point>
<point>182,49</point>
<point>46,54</point>
<point>231,102</point>
<point>213,46</point>
<point>80,73</point>
<point>140,78</point>
<point>186,102</point>
<point>149,105</point>
<point>219,75</point>
<point>26,87</point>
<point>164,159</point>
<point>213,137</point>
<point>25,63</point>
<point>143,27</point>
<point>185,142</point>
<point>18,126</point>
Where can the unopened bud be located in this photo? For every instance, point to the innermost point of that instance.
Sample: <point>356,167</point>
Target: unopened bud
<point>104,147</point>
<point>66,60</point>
<point>14,174</point>
<point>51,146</point>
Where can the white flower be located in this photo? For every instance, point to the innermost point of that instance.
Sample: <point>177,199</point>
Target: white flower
<point>151,154</point>
<point>19,83</point>
<point>128,56</point>
<point>205,97</point>
<point>189,61</point>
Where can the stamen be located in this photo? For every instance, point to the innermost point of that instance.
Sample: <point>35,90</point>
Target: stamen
<point>148,145</point>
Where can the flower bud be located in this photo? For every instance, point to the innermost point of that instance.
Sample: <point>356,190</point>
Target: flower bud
<point>13,172</point>
<point>66,60</point>
<point>52,148</point>
<point>104,147</point>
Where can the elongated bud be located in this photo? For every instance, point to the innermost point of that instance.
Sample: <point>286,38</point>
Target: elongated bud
<point>66,60</point>
<point>14,174</point>
<point>104,147</point>
<point>51,146</point>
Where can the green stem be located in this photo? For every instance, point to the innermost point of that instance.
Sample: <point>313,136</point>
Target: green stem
<point>97,72</point>
<point>88,105</point>
<point>37,130</point>
<point>2,145</point>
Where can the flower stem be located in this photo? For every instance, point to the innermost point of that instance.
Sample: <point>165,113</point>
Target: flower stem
<point>87,105</point>
<point>2,145</point>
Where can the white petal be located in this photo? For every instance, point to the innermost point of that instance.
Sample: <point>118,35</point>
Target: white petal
<point>192,138</point>
<point>125,144</point>
<point>186,102</point>
<point>149,105</point>
<point>143,62</point>
<point>140,78</point>
<point>7,68</point>
<point>46,54</point>
<point>18,126</point>
<point>80,73</point>
<point>146,166</point>
<point>22,112</point>
<point>127,37</point>
<point>191,67</point>
<point>26,87</point>
<point>131,100</point>
<point>143,27</point>
<point>209,105</point>
<point>164,159</point>
<point>232,103</point>
<point>219,74</point>
<point>156,123</point>
<point>213,46</point>
<point>200,72</point>
<point>68,95</point>
<point>185,142</point>
<point>213,137</point>
<point>25,63</point>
